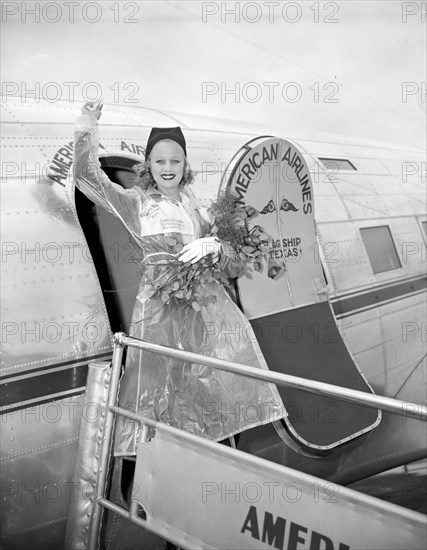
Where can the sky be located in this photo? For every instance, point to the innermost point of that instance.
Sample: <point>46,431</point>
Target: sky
<point>350,68</point>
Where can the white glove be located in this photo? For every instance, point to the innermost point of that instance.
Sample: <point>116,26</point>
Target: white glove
<point>196,250</point>
<point>93,109</point>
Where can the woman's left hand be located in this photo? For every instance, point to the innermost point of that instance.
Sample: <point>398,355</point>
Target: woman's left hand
<point>93,109</point>
<point>198,249</point>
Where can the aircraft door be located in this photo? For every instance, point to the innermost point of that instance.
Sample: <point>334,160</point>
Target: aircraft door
<point>271,175</point>
<point>290,314</point>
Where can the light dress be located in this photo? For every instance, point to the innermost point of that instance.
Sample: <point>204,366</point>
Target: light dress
<point>204,401</point>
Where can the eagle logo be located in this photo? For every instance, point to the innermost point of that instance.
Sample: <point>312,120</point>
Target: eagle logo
<point>286,206</point>
<point>269,208</point>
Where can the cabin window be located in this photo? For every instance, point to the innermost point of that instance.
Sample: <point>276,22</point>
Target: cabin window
<point>380,248</point>
<point>337,164</point>
<point>119,169</point>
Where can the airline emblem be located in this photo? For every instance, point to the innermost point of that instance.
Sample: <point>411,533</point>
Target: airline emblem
<point>286,206</point>
<point>271,207</point>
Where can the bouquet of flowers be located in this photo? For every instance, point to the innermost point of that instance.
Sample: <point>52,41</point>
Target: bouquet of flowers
<point>231,224</point>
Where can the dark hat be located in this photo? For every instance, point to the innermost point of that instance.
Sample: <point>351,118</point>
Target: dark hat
<point>158,134</point>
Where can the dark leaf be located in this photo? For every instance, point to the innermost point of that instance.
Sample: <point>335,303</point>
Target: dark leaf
<point>273,271</point>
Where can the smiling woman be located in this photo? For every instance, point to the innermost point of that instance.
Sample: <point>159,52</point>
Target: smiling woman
<point>166,167</point>
<point>171,232</point>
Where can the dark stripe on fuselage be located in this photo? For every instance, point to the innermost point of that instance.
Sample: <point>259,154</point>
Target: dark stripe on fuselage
<point>57,365</point>
<point>24,405</point>
<point>43,385</point>
<point>368,299</point>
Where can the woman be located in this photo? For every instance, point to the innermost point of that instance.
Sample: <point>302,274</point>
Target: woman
<point>161,213</point>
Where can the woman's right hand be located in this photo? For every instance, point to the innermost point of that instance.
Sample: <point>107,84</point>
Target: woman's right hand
<point>93,109</point>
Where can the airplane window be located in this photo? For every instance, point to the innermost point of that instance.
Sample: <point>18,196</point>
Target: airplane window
<point>380,248</point>
<point>119,169</point>
<point>337,164</point>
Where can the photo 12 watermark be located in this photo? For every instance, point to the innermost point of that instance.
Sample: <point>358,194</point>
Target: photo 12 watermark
<point>273,12</point>
<point>414,90</point>
<point>414,251</point>
<point>268,491</point>
<point>414,11</point>
<point>318,412</point>
<point>270,92</point>
<point>54,492</point>
<point>70,12</point>
<point>52,332</point>
<point>50,252</point>
<point>413,329</point>
<point>71,91</point>
<point>412,170</point>
<point>271,332</point>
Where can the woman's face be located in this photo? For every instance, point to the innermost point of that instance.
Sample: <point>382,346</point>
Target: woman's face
<point>167,161</point>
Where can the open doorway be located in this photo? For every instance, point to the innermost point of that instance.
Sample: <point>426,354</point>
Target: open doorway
<point>114,253</point>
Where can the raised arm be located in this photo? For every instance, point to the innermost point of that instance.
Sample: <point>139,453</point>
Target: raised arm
<point>92,180</point>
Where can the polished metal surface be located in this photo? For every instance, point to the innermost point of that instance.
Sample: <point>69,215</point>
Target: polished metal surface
<point>405,486</point>
<point>255,502</point>
<point>53,322</point>
<point>180,476</point>
<point>89,459</point>
<point>39,446</point>
<point>105,447</point>
<point>53,313</point>
<point>53,309</point>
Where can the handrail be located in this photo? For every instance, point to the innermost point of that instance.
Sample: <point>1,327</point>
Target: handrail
<point>121,340</point>
<point>389,404</point>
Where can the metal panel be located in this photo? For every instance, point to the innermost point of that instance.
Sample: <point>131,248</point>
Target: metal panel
<point>38,454</point>
<point>52,305</point>
<point>30,111</point>
<point>389,350</point>
<point>347,260</point>
<point>272,176</point>
<point>305,342</point>
<point>228,499</point>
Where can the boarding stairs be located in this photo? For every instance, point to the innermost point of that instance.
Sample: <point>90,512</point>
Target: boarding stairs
<point>197,493</point>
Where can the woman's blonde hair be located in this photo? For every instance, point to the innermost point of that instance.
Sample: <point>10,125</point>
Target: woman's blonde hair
<point>146,179</point>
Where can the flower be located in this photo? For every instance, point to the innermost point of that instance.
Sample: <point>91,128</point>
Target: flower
<point>250,243</point>
<point>231,224</point>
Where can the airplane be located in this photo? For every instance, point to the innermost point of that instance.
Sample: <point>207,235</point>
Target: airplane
<point>349,218</point>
